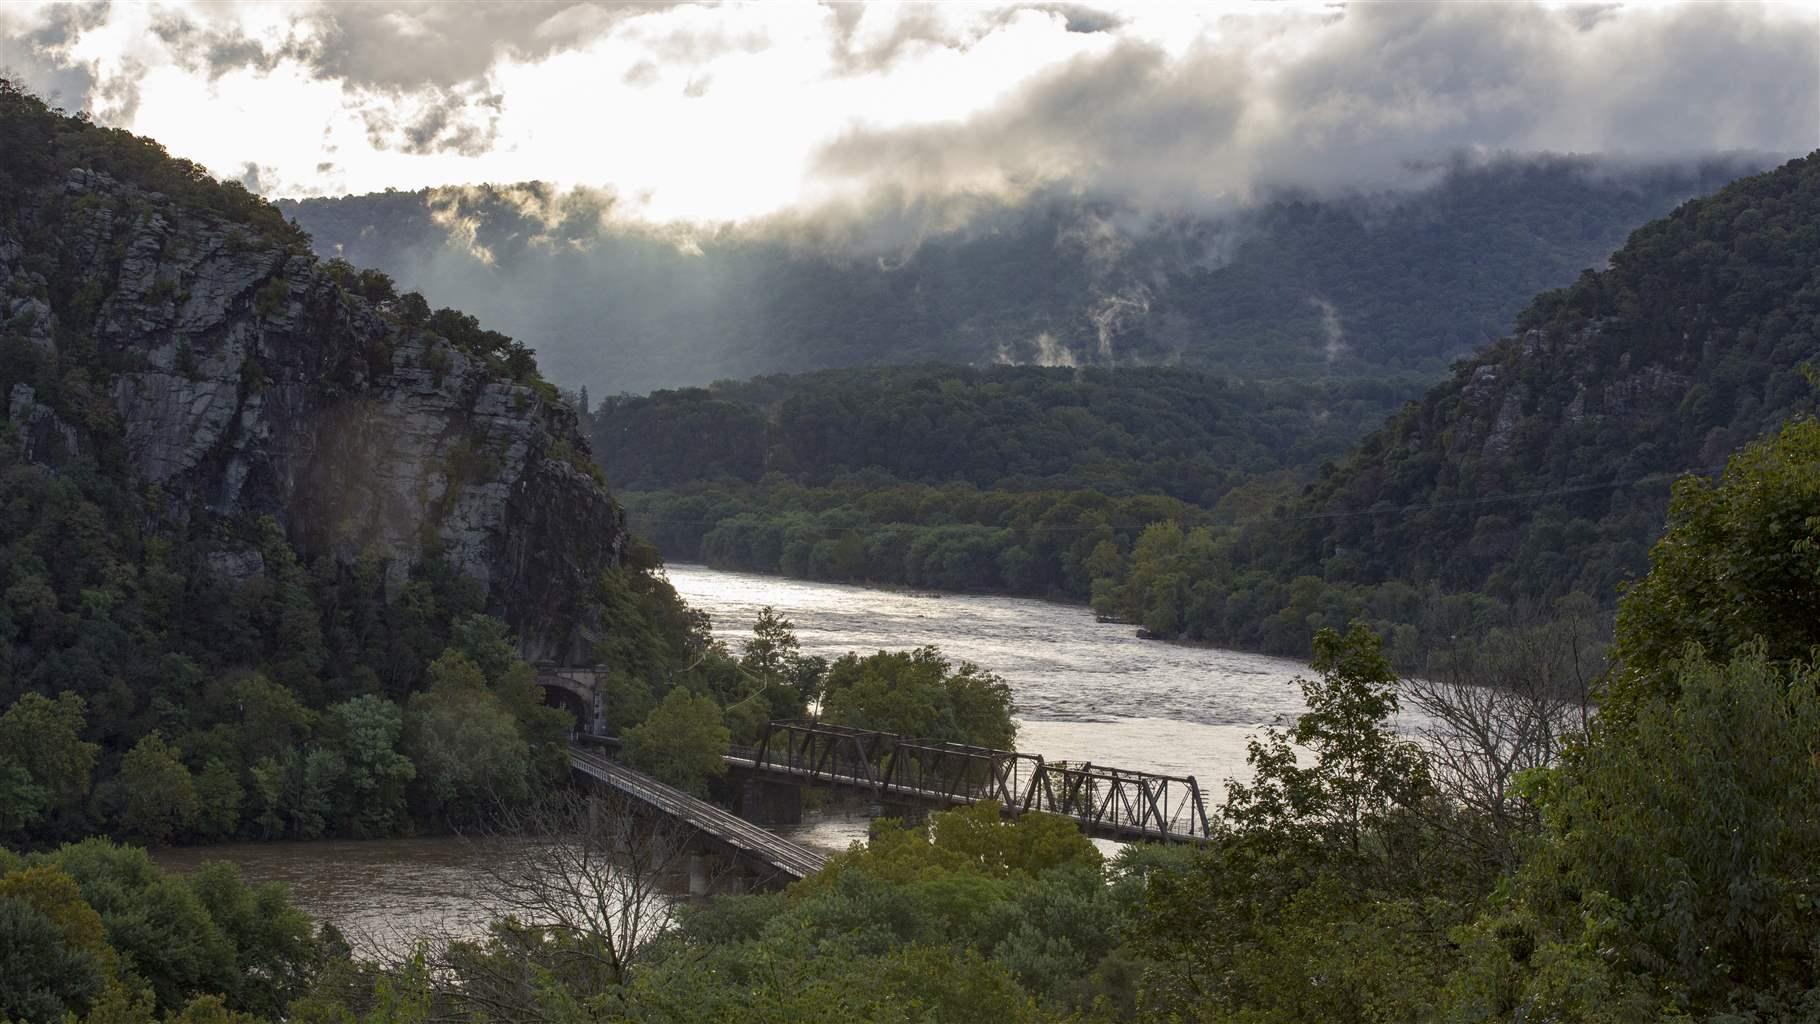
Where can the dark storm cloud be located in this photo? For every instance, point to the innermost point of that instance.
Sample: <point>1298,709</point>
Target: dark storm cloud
<point>1379,88</point>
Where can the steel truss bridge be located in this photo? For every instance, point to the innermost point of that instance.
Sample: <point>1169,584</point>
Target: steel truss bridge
<point>1111,803</point>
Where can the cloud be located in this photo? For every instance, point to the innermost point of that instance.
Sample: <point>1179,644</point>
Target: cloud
<point>917,113</point>
<point>34,50</point>
<point>461,119</point>
<point>1364,98</point>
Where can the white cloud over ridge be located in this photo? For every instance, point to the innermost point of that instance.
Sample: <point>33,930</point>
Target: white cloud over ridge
<point>718,113</point>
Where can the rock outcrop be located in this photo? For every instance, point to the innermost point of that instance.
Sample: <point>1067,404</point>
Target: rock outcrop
<point>233,372</point>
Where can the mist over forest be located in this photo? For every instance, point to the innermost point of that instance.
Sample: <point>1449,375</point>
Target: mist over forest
<point>1345,285</point>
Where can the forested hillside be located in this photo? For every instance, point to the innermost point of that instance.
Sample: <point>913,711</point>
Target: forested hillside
<point>1540,470</point>
<point>1002,478</point>
<point>1186,434</point>
<point>1355,286</point>
<point>1542,467</point>
<point>275,540</point>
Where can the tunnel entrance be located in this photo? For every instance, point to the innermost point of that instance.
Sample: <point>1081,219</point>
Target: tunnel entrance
<point>568,700</point>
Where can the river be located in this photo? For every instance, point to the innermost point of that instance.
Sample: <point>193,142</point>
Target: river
<point>1084,690</point>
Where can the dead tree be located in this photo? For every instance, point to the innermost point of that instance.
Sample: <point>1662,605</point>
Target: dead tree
<point>581,884</point>
<point>1496,708</point>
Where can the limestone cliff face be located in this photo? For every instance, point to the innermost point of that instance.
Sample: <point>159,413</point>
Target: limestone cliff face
<point>243,381</point>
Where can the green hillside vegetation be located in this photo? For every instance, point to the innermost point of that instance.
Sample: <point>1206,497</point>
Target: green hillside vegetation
<point>1356,286</point>
<point>1542,468</point>
<point>1002,479</point>
<point>1661,870</point>
<point>1184,434</point>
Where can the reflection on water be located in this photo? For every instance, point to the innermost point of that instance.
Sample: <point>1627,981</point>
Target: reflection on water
<point>379,890</point>
<point>1085,690</point>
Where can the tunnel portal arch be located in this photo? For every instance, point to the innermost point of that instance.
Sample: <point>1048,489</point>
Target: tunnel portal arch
<point>577,691</point>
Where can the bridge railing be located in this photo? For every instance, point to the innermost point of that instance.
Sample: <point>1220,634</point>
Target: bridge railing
<point>1159,806</point>
<point>1167,806</point>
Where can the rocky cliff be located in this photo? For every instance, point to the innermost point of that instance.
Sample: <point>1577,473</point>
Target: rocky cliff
<point>227,371</point>
<point>1544,464</point>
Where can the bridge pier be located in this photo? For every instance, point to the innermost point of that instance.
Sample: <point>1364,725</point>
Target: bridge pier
<point>763,802</point>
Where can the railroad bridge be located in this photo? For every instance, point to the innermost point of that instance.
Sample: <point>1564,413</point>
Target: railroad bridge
<point>1107,802</point>
<point>1110,803</point>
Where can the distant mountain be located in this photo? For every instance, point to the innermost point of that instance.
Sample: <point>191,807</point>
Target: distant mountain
<point>1539,466</point>
<point>1362,286</point>
<point>1542,467</point>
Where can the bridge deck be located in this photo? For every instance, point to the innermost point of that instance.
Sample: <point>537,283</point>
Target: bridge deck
<point>790,858</point>
<point>1123,830</point>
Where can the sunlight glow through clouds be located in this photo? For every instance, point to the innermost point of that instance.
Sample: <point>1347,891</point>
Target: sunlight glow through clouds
<point>723,124</point>
<point>730,112</point>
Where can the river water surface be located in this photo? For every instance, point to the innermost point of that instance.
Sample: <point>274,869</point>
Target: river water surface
<point>1084,691</point>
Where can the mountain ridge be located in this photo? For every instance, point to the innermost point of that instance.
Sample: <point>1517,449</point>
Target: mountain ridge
<point>175,331</point>
<point>1354,286</point>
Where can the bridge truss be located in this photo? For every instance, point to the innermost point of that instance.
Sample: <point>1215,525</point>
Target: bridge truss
<point>1113,802</point>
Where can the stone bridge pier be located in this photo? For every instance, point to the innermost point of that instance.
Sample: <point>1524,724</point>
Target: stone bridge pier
<point>580,691</point>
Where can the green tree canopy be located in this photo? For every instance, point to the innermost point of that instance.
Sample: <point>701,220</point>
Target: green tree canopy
<point>920,694</point>
<point>1739,563</point>
<point>682,742</point>
<point>1675,879</point>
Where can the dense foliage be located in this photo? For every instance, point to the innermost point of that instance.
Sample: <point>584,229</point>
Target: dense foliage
<point>97,932</point>
<point>1354,286</point>
<point>1007,479</point>
<point>1543,467</point>
<point>180,674</point>
<point>39,146</point>
<point>1187,435</point>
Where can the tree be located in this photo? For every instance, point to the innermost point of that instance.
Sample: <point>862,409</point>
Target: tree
<point>772,651</point>
<point>682,742</point>
<point>467,747</point>
<point>42,738</point>
<point>1740,562</point>
<point>218,799</point>
<point>1674,879</point>
<point>366,732</point>
<point>920,694</point>
<point>68,970</point>
<point>275,952</point>
<point>162,931</point>
<point>156,796</point>
<point>582,898</point>
<point>1500,706</point>
<point>1362,772</point>
<point>42,976</point>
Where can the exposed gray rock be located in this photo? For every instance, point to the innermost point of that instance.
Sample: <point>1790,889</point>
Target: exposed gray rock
<point>254,386</point>
<point>44,437</point>
<point>236,567</point>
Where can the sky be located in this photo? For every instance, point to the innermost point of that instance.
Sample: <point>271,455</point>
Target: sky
<point>727,113</point>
